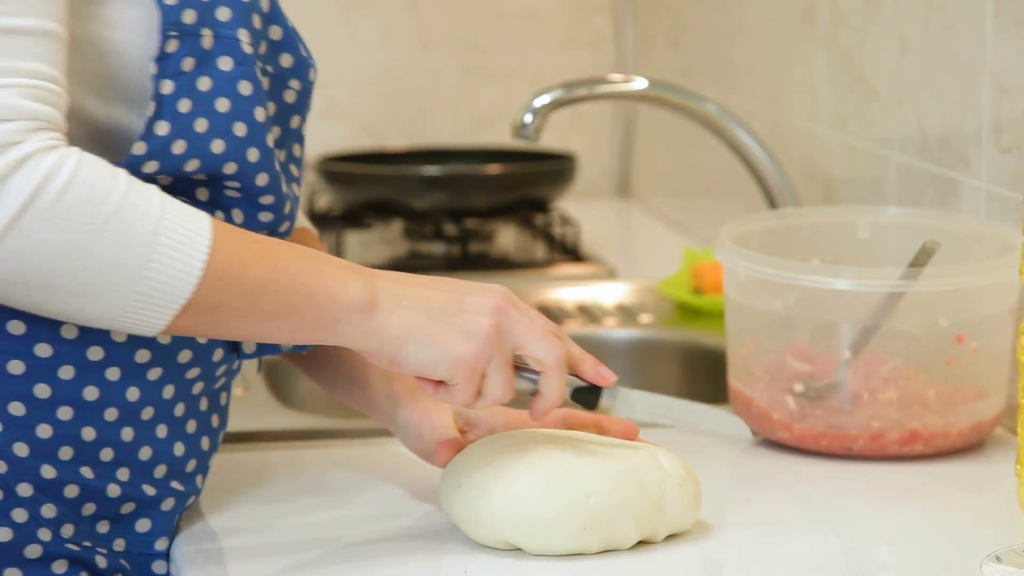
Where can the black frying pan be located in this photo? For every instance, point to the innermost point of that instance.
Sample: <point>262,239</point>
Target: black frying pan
<point>454,181</point>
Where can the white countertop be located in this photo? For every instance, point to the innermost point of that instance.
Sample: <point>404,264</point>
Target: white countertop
<point>369,507</point>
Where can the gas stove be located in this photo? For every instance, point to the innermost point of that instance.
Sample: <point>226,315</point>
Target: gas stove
<point>525,244</point>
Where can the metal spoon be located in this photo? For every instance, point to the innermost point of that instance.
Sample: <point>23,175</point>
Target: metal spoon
<point>869,330</point>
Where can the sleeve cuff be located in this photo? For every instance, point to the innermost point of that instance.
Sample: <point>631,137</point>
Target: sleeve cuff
<point>173,270</point>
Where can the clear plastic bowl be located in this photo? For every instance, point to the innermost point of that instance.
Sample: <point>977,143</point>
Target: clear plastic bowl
<point>800,284</point>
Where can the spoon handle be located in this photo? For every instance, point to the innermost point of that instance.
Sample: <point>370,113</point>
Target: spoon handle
<point>889,302</point>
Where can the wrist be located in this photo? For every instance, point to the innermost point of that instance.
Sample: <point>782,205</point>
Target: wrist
<point>308,238</point>
<point>355,306</point>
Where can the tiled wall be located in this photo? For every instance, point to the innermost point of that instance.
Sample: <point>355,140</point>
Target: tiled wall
<point>455,71</point>
<point>901,101</point>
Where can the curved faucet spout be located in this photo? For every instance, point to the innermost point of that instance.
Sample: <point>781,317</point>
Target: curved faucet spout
<point>775,185</point>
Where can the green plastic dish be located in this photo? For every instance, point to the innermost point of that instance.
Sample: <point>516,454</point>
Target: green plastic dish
<point>687,318</point>
<point>677,287</point>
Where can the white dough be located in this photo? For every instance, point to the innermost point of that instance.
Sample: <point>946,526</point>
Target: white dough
<point>557,492</point>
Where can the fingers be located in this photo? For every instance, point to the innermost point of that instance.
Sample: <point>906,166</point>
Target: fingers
<point>476,424</point>
<point>594,423</point>
<point>533,341</point>
<point>586,366</point>
<point>549,349</point>
<point>438,390</point>
<point>464,357</point>
<point>473,425</point>
<point>546,354</point>
<point>579,361</point>
<point>499,385</point>
<point>446,450</point>
<point>455,393</point>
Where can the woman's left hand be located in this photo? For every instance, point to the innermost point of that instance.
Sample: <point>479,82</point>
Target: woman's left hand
<point>437,432</point>
<point>433,430</point>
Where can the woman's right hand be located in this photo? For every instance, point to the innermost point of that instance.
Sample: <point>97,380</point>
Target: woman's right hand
<point>459,339</point>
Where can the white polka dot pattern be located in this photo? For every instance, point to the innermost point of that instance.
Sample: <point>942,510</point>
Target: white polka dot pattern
<point>209,87</point>
<point>107,437</point>
<point>115,452</point>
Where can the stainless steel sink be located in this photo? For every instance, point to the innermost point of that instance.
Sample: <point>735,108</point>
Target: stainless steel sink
<point>672,362</point>
<point>291,388</point>
<point>645,339</point>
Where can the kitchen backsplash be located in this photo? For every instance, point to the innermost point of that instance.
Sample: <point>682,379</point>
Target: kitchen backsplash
<point>908,102</point>
<point>395,72</point>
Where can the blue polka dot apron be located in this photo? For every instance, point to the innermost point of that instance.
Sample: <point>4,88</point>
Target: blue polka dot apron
<point>105,438</point>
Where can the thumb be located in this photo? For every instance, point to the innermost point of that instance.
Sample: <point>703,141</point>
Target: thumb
<point>446,450</point>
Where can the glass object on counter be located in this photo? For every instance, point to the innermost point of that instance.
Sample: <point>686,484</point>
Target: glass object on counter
<point>801,284</point>
<point>1020,407</point>
<point>1008,561</point>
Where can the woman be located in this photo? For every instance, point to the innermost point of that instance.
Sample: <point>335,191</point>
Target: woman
<point>150,153</point>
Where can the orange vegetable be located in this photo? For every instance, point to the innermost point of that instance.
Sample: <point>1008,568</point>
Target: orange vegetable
<point>706,277</point>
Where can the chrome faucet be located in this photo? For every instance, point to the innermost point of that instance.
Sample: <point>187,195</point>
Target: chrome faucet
<point>775,185</point>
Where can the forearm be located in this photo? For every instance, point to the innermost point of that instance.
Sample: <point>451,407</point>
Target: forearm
<point>308,238</point>
<point>84,241</point>
<point>346,375</point>
<point>354,381</point>
<point>261,289</point>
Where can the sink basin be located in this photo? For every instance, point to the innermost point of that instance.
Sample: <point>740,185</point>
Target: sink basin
<point>625,324</point>
<point>293,389</point>
<point>673,362</point>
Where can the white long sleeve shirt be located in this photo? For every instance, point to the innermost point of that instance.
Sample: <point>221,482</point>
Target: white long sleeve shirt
<point>81,240</point>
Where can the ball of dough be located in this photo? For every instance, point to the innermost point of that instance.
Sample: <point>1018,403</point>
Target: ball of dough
<point>558,492</point>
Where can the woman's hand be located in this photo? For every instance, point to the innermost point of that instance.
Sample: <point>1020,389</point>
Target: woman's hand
<point>437,432</point>
<point>459,338</point>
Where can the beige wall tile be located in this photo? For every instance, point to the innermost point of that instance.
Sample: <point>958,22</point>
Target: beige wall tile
<point>700,184</point>
<point>920,186</point>
<point>783,56</point>
<point>456,26</point>
<point>863,101</point>
<point>691,176</point>
<point>396,72</point>
<point>861,84</point>
<point>905,76</point>
<point>917,185</point>
<point>689,42</point>
<point>741,52</point>
<point>838,88</point>
<point>1005,147</point>
<point>942,73</point>
<point>829,170</point>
